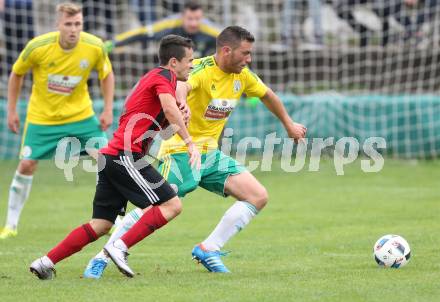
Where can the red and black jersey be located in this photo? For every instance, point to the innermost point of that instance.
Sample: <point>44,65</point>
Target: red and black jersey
<point>142,115</point>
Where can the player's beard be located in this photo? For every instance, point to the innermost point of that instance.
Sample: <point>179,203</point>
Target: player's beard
<point>236,65</point>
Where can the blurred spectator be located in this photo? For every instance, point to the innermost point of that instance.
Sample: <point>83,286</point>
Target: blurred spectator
<point>291,28</point>
<point>344,9</point>
<point>97,12</point>
<point>18,28</point>
<point>383,9</point>
<point>427,10</point>
<point>190,23</point>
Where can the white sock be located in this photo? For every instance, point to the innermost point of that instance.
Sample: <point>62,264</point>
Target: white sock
<point>120,245</point>
<point>118,221</point>
<point>232,222</point>
<point>18,194</point>
<point>125,224</point>
<point>102,255</point>
<point>47,262</point>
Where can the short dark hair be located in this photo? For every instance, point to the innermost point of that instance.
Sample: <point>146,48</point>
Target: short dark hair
<point>191,5</point>
<point>173,46</point>
<point>232,36</point>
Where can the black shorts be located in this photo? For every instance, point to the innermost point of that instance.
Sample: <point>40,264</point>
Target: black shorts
<point>125,178</point>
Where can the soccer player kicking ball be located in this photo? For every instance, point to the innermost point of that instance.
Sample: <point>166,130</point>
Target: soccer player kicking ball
<point>60,104</point>
<point>215,86</point>
<point>123,175</point>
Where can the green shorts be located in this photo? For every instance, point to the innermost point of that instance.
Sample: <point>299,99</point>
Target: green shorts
<point>215,170</point>
<point>41,141</point>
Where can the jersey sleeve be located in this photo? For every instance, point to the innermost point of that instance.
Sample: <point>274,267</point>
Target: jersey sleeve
<point>26,60</point>
<point>163,86</point>
<point>254,86</point>
<point>103,66</point>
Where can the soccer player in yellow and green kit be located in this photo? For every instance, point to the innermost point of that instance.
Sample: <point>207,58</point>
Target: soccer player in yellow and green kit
<point>212,91</point>
<point>60,105</point>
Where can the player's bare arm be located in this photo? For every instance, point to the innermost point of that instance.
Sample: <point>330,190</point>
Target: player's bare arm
<point>294,130</point>
<point>107,89</point>
<point>175,118</point>
<point>14,88</point>
<point>182,90</point>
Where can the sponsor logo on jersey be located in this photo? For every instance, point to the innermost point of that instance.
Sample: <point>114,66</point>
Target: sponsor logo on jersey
<point>62,84</point>
<point>220,109</point>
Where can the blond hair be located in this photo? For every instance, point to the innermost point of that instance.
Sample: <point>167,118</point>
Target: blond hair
<point>71,9</point>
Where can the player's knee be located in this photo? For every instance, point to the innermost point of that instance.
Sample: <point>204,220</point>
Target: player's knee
<point>27,167</point>
<point>101,226</point>
<point>104,230</point>
<point>177,206</point>
<point>171,208</point>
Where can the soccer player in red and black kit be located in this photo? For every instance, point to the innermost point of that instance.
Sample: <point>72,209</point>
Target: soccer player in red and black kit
<point>123,175</point>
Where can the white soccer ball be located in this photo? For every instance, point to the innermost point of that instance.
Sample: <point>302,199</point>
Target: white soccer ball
<point>391,251</point>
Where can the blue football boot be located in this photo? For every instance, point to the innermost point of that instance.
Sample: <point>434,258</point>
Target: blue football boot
<point>210,259</point>
<point>95,268</point>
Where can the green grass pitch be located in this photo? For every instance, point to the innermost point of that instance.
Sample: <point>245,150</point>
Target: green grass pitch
<point>313,242</point>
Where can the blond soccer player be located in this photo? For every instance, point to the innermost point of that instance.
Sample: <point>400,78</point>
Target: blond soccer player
<point>60,105</point>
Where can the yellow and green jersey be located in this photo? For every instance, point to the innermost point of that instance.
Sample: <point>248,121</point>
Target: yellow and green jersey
<point>59,91</point>
<point>204,40</point>
<point>213,97</point>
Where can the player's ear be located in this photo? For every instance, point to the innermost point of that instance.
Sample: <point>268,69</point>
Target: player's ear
<point>226,50</point>
<point>173,62</point>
